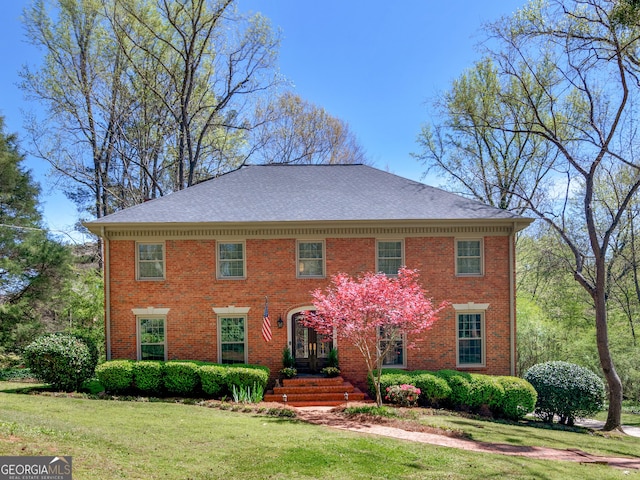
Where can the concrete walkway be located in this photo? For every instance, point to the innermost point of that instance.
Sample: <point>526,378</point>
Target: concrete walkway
<point>597,425</point>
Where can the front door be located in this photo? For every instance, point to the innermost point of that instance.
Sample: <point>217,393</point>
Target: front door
<point>310,348</point>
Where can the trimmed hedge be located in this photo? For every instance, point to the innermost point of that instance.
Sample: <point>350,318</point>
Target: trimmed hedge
<point>566,390</point>
<point>519,398</point>
<point>63,360</point>
<point>186,377</point>
<point>213,379</point>
<point>433,389</point>
<point>116,376</point>
<point>148,376</point>
<point>181,378</point>
<point>508,397</point>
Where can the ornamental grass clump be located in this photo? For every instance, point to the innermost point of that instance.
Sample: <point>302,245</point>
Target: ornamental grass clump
<point>565,390</point>
<point>404,395</point>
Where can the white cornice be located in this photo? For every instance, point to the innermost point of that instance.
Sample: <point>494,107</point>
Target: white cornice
<point>328,230</point>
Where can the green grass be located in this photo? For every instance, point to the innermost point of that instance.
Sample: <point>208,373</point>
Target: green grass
<point>138,440</point>
<point>630,414</point>
<point>535,433</point>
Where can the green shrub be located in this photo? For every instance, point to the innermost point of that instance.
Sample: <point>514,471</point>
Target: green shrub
<point>64,361</point>
<point>287,359</point>
<point>460,384</point>
<point>9,360</point>
<point>147,376</point>
<point>485,390</point>
<point>389,377</point>
<point>519,398</point>
<point>433,389</point>
<point>245,376</point>
<point>566,390</point>
<point>330,372</point>
<point>332,358</point>
<point>181,378</point>
<point>404,395</point>
<point>116,375</point>
<point>213,379</point>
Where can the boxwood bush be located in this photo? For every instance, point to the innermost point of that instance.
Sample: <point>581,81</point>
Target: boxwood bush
<point>181,378</point>
<point>213,379</point>
<point>65,361</point>
<point>433,389</point>
<point>485,390</point>
<point>460,384</point>
<point>244,376</point>
<point>519,398</point>
<point>147,376</point>
<point>116,376</point>
<point>566,390</point>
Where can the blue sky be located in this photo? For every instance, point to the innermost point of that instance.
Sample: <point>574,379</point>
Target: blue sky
<point>375,64</point>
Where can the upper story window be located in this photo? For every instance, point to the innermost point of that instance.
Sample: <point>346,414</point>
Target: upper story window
<point>231,260</point>
<point>469,259</point>
<point>150,261</point>
<point>310,259</point>
<point>390,256</point>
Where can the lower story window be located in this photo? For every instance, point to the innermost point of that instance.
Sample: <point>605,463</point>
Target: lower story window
<point>470,339</point>
<point>151,335</point>
<point>233,348</point>
<point>394,346</point>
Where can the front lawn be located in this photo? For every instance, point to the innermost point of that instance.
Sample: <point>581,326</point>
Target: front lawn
<point>138,440</point>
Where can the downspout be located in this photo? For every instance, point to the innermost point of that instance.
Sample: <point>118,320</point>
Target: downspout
<point>512,301</point>
<point>106,276</point>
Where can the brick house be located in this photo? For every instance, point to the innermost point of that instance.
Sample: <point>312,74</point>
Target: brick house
<point>187,275</point>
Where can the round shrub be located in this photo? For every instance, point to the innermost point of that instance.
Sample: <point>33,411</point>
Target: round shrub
<point>484,390</point>
<point>245,376</point>
<point>212,379</point>
<point>433,389</point>
<point>116,375</point>
<point>460,384</point>
<point>388,378</point>
<point>147,376</point>
<point>519,398</point>
<point>64,361</point>
<point>181,378</point>
<point>566,390</point>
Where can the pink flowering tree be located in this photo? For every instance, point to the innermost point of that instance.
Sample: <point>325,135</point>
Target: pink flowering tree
<point>362,309</point>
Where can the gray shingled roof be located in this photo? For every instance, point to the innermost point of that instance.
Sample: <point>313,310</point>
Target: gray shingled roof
<point>303,193</point>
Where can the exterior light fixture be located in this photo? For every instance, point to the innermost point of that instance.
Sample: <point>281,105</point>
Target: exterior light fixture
<point>280,322</point>
<point>346,397</point>
<point>284,398</point>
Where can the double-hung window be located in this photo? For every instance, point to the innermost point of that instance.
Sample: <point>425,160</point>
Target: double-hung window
<point>469,257</point>
<point>395,348</point>
<point>471,338</point>
<point>232,339</point>
<point>152,343</point>
<point>231,260</point>
<point>390,256</point>
<point>310,258</point>
<point>150,261</point>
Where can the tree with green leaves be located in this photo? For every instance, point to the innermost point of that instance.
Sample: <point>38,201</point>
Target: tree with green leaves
<point>574,67</point>
<point>496,167</point>
<point>32,265</point>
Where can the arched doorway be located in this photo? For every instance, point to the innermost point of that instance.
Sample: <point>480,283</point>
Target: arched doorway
<point>310,349</point>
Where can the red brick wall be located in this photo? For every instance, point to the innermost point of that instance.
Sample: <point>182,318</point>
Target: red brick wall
<point>191,290</point>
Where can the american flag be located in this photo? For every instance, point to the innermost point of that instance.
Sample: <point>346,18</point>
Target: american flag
<point>266,323</point>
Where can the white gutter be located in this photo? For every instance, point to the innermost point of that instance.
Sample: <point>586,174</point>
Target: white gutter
<point>106,277</point>
<point>512,301</point>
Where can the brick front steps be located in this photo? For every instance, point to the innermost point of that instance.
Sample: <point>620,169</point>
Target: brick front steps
<point>314,391</point>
